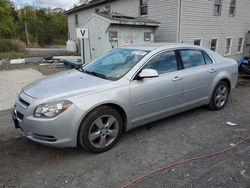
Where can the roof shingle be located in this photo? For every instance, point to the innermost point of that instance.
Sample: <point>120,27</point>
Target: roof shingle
<point>85,6</point>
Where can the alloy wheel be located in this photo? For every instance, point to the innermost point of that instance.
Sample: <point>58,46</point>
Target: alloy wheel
<point>221,96</point>
<point>103,131</point>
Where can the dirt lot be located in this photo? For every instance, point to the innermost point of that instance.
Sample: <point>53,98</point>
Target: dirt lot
<point>45,70</point>
<point>15,77</point>
<point>194,133</point>
<point>12,81</point>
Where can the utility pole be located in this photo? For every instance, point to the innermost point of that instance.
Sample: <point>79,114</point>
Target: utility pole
<point>27,37</point>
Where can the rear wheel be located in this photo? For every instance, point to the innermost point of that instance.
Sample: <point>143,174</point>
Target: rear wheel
<point>220,96</point>
<point>100,130</point>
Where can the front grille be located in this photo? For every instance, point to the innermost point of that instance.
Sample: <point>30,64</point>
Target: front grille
<point>45,137</point>
<point>19,115</point>
<point>24,102</point>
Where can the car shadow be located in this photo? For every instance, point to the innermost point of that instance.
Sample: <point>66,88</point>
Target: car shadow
<point>20,144</point>
<point>169,120</point>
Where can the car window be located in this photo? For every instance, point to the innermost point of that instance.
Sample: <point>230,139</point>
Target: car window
<point>163,63</point>
<point>114,59</point>
<point>207,58</point>
<point>114,64</point>
<point>192,58</point>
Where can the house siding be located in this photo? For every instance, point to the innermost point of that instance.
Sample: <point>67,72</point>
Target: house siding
<point>198,21</point>
<point>165,12</point>
<point>98,41</point>
<point>162,11</point>
<point>126,7</point>
<point>82,17</point>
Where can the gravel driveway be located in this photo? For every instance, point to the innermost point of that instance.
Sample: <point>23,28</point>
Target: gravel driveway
<point>12,81</point>
<point>197,132</point>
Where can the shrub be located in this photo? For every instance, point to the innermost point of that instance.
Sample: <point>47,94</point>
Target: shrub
<point>7,45</point>
<point>18,46</point>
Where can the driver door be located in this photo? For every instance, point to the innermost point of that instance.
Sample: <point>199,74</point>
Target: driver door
<point>156,98</point>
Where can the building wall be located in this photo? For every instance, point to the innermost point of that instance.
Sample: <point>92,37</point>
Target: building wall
<point>247,49</point>
<point>159,10</point>
<point>82,17</point>
<point>99,42</point>
<point>165,12</point>
<point>126,7</point>
<point>198,21</point>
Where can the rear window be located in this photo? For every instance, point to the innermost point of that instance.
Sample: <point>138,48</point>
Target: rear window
<point>207,58</point>
<point>192,58</point>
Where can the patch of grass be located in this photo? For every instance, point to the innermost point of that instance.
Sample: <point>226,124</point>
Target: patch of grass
<point>7,45</point>
<point>12,55</point>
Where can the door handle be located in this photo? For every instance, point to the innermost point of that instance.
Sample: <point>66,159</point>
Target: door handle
<point>177,78</point>
<point>212,70</point>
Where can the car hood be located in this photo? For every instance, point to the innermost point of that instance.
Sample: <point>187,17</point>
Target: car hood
<point>63,84</point>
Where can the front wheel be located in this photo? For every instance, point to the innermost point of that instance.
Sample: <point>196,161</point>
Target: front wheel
<point>220,96</point>
<point>100,130</point>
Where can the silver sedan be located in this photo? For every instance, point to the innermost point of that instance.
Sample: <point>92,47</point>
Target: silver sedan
<point>123,89</point>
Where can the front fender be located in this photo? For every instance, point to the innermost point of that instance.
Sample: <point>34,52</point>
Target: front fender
<point>118,96</point>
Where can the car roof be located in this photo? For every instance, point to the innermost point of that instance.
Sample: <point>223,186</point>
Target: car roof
<point>155,46</point>
<point>165,46</point>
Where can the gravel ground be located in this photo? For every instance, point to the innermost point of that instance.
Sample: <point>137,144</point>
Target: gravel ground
<point>12,81</point>
<point>45,70</point>
<point>14,77</point>
<point>197,132</point>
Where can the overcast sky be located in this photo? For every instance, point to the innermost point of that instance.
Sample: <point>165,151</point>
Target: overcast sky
<point>65,4</point>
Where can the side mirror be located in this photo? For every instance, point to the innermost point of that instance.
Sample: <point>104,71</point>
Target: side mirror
<point>148,73</point>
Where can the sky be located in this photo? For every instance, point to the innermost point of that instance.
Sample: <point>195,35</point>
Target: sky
<point>65,4</point>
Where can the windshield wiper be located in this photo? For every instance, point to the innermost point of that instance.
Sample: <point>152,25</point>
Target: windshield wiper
<point>95,74</point>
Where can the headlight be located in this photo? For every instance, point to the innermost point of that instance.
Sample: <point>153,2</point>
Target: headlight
<point>51,110</point>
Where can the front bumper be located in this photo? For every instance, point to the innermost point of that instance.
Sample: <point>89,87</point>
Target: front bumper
<point>60,131</point>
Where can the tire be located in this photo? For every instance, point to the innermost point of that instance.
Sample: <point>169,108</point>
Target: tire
<point>220,96</point>
<point>100,130</point>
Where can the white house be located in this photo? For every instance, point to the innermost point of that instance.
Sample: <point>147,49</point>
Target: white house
<point>221,25</point>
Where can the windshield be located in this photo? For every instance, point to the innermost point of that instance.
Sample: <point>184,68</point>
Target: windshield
<point>114,64</point>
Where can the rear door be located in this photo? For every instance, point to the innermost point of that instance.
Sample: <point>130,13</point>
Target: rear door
<point>198,73</point>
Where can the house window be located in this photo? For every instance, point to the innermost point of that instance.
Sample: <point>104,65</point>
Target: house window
<point>240,45</point>
<point>113,36</point>
<point>143,7</point>
<point>214,44</point>
<point>228,46</point>
<point>76,19</point>
<point>147,36</point>
<point>197,42</point>
<point>217,7</point>
<point>232,7</point>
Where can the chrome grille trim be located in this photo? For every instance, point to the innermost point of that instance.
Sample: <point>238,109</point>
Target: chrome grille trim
<point>24,102</point>
<point>20,104</point>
